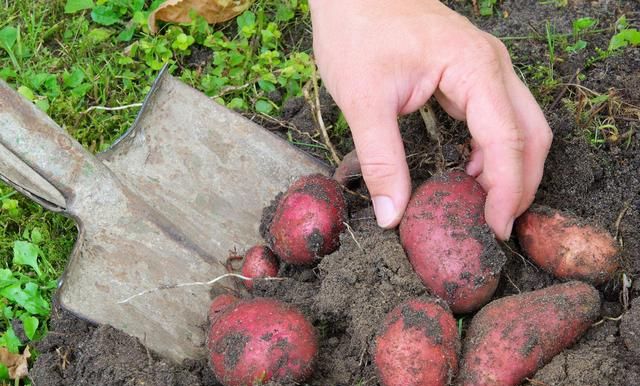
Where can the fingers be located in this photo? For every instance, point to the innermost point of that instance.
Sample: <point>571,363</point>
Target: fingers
<point>511,137</point>
<point>382,158</point>
<point>493,125</point>
<point>537,138</point>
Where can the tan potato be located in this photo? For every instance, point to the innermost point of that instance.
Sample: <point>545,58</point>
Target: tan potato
<point>565,246</point>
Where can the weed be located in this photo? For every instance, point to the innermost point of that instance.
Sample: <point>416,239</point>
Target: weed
<point>556,3</point>
<point>598,115</point>
<point>579,26</point>
<point>460,327</point>
<point>32,253</point>
<point>623,37</point>
<point>486,7</point>
<point>550,33</point>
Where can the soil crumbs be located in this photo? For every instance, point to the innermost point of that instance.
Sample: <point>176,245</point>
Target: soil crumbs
<point>348,293</point>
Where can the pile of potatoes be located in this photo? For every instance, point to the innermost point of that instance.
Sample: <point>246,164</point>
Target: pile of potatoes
<point>459,261</point>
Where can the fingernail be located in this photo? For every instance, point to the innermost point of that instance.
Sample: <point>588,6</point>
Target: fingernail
<point>385,210</point>
<point>507,231</point>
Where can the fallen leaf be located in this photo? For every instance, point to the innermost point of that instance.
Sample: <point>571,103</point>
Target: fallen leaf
<point>16,363</point>
<point>214,11</point>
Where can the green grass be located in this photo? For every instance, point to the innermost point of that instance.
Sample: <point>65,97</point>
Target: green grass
<point>73,57</point>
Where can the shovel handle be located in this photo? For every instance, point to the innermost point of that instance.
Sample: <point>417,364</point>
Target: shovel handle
<point>31,141</point>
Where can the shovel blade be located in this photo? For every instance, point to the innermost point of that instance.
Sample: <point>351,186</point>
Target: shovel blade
<point>192,179</point>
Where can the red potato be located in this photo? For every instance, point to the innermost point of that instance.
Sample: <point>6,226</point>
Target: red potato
<point>563,245</point>
<point>510,338</point>
<point>255,341</point>
<point>418,345</point>
<point>308,220</point>
<point>259,261</point>
<point>448,242</point>
<point>218,305</point>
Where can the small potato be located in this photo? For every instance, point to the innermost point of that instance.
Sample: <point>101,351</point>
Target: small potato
<point>418,345</point>
<point>308,220</point>
<point>448,242</point>
<point>510,338</point>
<point>259,261</point>
<point>252,342</point>
<point>565,246</point>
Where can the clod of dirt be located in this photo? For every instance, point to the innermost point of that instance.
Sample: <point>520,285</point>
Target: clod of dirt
<point>630,327</point>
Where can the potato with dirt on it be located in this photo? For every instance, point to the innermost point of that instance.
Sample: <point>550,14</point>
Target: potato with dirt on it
<point>308,220</point>
<point>566,246</point>
<point>218,305</point>
<point>259,262</point>
<point>418,345</point>
<point>252,342</point>
<point>448,242</point>
<point>512,337</point>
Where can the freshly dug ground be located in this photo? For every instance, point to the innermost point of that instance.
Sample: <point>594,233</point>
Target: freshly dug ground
<point>348,293</point>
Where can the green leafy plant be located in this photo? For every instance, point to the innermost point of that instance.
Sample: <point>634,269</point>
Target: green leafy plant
<point>579,26</point>
<point>26,288</point>
<point>486,7</point>
<point>11,43</point>
<point>625,36</point>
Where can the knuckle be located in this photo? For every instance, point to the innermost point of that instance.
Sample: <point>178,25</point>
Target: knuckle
<point>500,49</point>
<point>489,53</point>
<point>513,142</point>
<point>484,51</point>
<point>547,137</point>
<point>541,139</point>
<point>378,171</point>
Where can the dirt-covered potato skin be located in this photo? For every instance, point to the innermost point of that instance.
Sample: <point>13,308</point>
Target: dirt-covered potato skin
<point>512,337</point>
<point>255,341</point>
<point>218,305</point>
<point>566,246</point>
<point>259,261</point>
<point>308,220</point>
<point>418,345</point>
<point>448,242</point>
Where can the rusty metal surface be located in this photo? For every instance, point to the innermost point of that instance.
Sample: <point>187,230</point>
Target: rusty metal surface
<point>163,206</point>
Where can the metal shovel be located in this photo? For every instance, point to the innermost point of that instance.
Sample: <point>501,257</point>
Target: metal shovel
<point>163,206</point>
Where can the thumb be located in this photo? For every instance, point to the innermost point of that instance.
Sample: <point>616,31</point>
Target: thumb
<point>382,159</point>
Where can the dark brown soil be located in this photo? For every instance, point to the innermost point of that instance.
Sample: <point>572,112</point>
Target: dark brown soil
<point>349,292</point>
<point>76,353</point>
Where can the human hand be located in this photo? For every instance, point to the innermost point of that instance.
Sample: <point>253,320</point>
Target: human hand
<point>380,59</point>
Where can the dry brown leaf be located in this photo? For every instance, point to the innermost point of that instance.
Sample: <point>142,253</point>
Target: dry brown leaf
<point>214,11</point>
<point>16,363</point>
